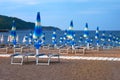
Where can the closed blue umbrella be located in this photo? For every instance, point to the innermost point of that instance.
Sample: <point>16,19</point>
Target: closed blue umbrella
<point>110,39</point>
<point>73,39</point>
<point>97,36</point>
<point>37,33</point>
<point>38,28</point>
<point>26,40</point>
<point>117,41</point>
<point>17,39</point>
<point>54,38</point>
<point>71,35</point>
<point>30,37</point>
<point>113,40</point>
<point>80,40</point>
<point>65,37</point>
<point>13,33</point>
<point>70,31</point>
<point>2,39</point>
<point>86,35</point>
<point>61,40</point>
<point>103,38</point>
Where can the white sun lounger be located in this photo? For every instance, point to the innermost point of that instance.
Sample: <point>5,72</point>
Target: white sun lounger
<point>18,54</point>
<point>21,57</point>
<point>47,56</point>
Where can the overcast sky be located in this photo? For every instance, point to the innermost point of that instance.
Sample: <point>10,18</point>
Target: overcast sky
<point>59,13</point>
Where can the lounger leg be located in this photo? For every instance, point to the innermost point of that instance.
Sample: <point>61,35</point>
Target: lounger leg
<point>20,63</point>
<point>84,51</point>
<point>49,60</point>
<point>11,60</point>
<point>22,60</point>
<point>36,60</point>
<point>42,63</point>
<point>27,58</point>
<point>58,58</point>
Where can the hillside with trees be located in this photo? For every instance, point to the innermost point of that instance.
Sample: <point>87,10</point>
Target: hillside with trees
<point>6,24</point>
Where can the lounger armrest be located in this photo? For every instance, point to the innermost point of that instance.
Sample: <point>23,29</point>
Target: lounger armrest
<point>53,55</point>
<point>14,55</point>
<point>42,54</point>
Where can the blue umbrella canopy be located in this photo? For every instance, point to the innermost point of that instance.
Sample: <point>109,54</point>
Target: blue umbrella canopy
<point>80,39</point>
<point>26,39</point>
<point>97,33</point>
<point>30,37</point>
<point>97,36</point>
<point>2,38</point>
<point>37,35</point>
<point>43,38</point>
<point>61,40</point>
<point>116,41</point>
<point>70,31</point>
<point>13,31</point>
<point>71,34</point>
<point>65,37</point>
<point>86,36</point>
<point>103,38</point>
<point>86,33</point>
<point>54,37</point>
<point>38,28</point>
<point>110,37</point>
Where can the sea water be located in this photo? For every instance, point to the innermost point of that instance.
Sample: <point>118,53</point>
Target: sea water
<point>78,39</point>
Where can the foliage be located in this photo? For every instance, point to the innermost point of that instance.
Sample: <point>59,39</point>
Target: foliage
<point>6,24</point>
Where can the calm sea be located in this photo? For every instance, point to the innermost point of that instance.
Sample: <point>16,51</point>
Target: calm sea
<point>78,34</point>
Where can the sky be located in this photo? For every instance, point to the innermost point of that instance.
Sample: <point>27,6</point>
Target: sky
<point>59,13</point>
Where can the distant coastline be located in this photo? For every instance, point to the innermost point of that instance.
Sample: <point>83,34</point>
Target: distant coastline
<point>4,30</point>
<point>6,24</point>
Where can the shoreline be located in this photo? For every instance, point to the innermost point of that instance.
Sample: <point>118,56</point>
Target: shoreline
<point>4,30</point>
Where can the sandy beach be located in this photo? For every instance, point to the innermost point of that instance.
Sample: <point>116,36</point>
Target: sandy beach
<point>65,70</point>
<point>67,40</point>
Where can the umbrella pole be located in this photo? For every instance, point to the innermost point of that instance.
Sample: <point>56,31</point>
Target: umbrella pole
<point>88,46</point>
<point>37,51</point>
<point>14,49</point>
<point>98,46</point>
<point>14,46</point>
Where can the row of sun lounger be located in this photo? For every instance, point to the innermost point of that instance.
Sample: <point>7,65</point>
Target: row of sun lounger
<point>29,51</point>
<point>45,52</point>
<point>54,53</point>
<point>60,50</point>
<point>66,49</point>
<point>39,56</point>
